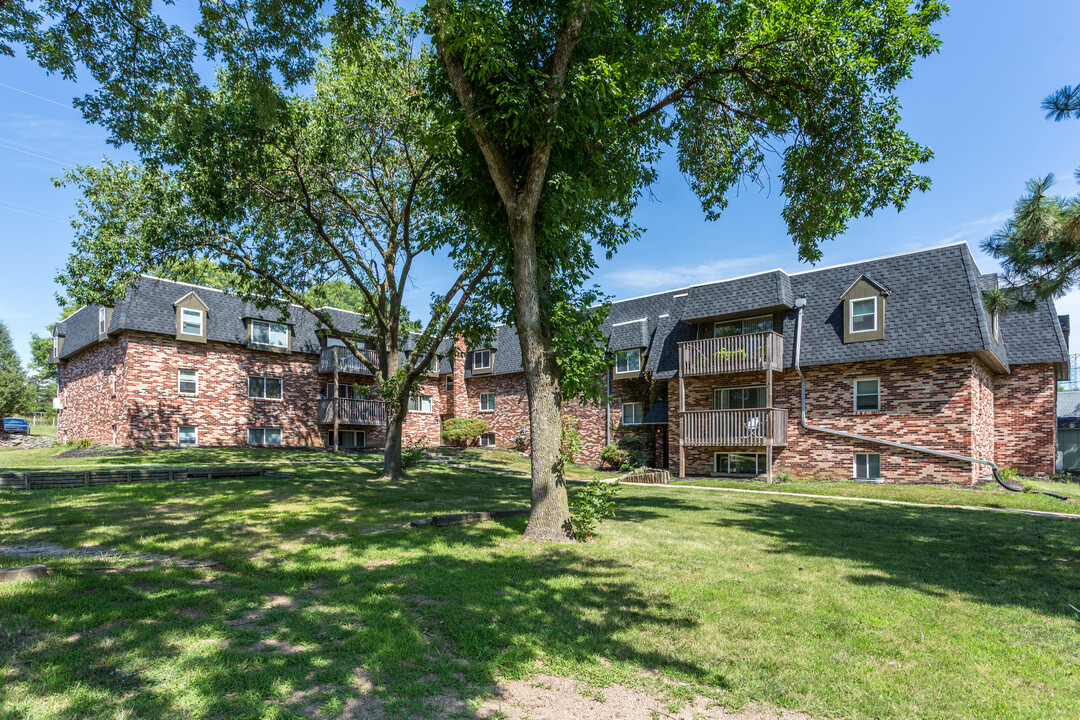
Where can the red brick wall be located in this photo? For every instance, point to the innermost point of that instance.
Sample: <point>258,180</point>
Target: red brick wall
<point>1025,413</point>
<point>92,388</point>
<point>925,402</point>
<point>423,428</point>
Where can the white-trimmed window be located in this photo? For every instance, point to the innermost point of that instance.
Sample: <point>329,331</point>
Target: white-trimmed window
<point>269,334</point>
<point>264,388</point>
<point>420,403</point>
<point>739,463</point>
<point>867,466</point>
<point>863,316</point>
<point>264,436</point>
<point>191,321</point>
<point>867,394</point>
<point>627,361</point>
<point>487,401</point>
<point>101,321</point>
<point>739,398</point>
<point>487,440</point>
<point>187,436</point>
<point>188,382</point>
<point>481,359</point>
<point>449,383</point>
<point>56,346</point>
<point>744,326</point>
<point>632,413</point>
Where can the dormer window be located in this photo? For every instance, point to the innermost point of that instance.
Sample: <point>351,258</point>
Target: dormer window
<point>481,360</point>
<point>628,361</point>
<point>863,314</point>
<point>268,334</point>
<point>101,321</point>
<point>863,306</point>
<point>191,321</point>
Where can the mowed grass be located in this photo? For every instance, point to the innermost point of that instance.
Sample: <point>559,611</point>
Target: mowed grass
<point>322,605</point>
<point>984,496</point>
<point>46,458</point>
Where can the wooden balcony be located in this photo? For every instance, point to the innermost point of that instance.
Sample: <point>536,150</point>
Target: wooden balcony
<point>352,411</point>
<point>345,360</point>
<point>734,354</point>
<point>734,428</point>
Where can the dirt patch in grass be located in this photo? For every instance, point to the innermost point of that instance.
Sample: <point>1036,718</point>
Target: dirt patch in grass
<point>53,550</point>
<point>547,697</point>
<point>100,451</point>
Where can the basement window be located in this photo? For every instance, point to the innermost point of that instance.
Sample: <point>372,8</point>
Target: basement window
<point>487,440</point>
<point>187,436</point>
<point>867,466</point>
<point>264,436</point>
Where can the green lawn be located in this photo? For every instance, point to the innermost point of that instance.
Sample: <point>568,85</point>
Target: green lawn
<point>985,496</point>
<point>45,458</point>
<point>840,609</point>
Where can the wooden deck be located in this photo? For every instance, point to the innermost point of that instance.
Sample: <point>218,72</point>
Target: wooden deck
<point>737,353</point>
<point>735,428</point>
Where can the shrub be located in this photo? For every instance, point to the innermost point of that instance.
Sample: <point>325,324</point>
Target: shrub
<point>570,441</point>
<point>80,443</point>
<point>592,504</point>
<point>411,455</point>
<point>462,431</point>
<point>634,447</point>
<point>1008,474</point>
<point>613,456</point>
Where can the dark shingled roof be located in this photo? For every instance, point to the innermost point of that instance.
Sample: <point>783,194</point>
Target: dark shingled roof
<point>934,307</point>
<point>657,414</point>
<point>764,291</point>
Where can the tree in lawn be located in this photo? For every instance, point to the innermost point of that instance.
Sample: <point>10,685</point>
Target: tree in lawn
<point>15,391</point>
<point>295,198</point>
<point>1039,246</point>
<point>563,109</point>
<point>44,376</point>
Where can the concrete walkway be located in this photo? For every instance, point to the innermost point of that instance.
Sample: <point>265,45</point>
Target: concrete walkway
<point>880,501</point>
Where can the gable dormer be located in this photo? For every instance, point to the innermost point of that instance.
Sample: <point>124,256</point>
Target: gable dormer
<point>192,317</point>
<point>864,310</point>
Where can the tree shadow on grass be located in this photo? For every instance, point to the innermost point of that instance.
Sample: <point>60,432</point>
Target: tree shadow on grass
<point>404,623</point>
<point>993,558</point>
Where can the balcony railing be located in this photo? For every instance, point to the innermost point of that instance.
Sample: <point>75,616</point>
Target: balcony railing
<point>735,428</point>
<point>346,362</point>
<point>736,353</point>
<point>352,411</point>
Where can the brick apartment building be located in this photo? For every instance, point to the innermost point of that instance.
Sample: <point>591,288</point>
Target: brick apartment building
<point>899,348</point>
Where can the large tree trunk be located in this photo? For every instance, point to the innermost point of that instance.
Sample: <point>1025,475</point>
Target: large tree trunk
<point>549,518</point>
<point>392,454</point>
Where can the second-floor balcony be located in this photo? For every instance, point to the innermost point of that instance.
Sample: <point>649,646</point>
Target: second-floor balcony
<point>732,354</point>
<point>345,361</point>
<point>757,427</point>
<point>351,411</point>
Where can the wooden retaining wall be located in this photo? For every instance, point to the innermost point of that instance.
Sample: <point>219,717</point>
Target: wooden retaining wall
<point>64,479</point>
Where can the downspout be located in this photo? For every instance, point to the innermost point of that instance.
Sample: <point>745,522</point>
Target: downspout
<point>800,303</point>
<point>607,414</point>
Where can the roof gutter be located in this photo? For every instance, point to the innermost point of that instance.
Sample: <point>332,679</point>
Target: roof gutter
<point>800,303</point>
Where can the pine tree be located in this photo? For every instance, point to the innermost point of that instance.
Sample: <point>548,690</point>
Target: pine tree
<point>14,389</point>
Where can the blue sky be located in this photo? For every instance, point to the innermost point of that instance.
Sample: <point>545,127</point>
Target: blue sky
<point>976,103</point>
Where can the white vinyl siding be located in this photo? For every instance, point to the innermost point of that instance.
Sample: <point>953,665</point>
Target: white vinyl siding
<point>269,334</point>
<point>867,466</point>
<point>264,388</point>
<point>264,436</point>
<point>863,315</point>
<point>189,382</point>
